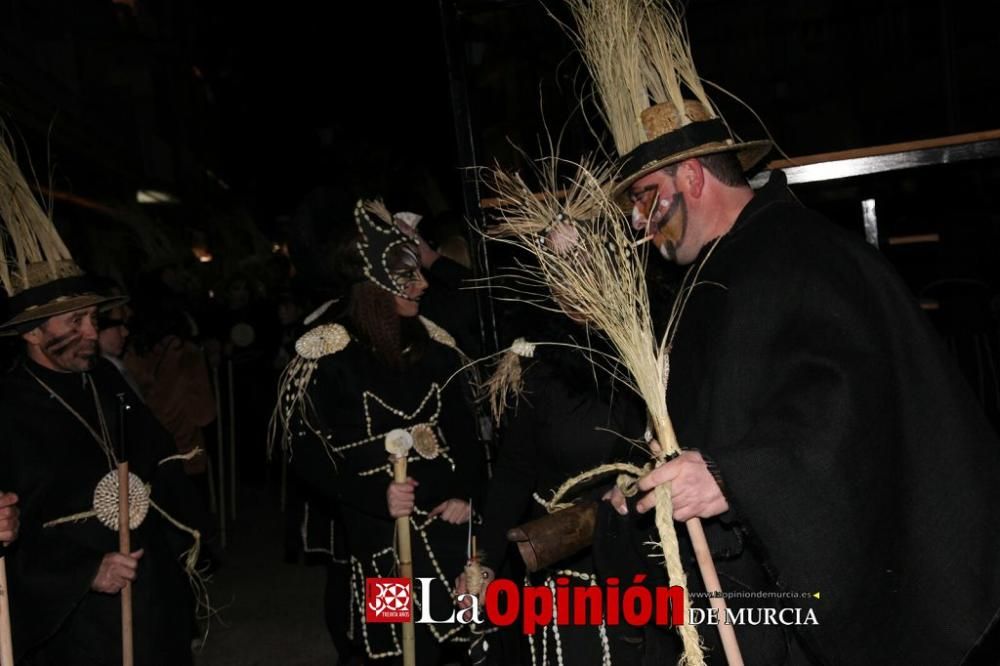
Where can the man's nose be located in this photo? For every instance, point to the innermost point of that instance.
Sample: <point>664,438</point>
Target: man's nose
<point>89,330</point>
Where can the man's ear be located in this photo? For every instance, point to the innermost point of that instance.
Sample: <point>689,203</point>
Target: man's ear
<point>691,174</point>
<point>33,337</point>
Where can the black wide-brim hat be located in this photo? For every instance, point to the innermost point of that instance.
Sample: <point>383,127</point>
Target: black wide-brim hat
<point>29,308</point>
<point>670,142</point>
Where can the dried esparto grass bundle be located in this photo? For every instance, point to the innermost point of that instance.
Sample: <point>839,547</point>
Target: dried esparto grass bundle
<point>596,274</point>
<point>31,237</point>
<point>639,55</point>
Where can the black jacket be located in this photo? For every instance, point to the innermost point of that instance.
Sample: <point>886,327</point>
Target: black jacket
<point>567,420</point>
<point>856,462</point>
<point>54,464</point>
<point>338,451</point>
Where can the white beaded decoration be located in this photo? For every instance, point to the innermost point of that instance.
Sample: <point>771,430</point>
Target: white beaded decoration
<point>433,393</point>
<point>523,348</point>
<point>555,624</point>
<point>358,592</point>
<point>438,334</point>
<point>322,341</point>
<point>602,629</point>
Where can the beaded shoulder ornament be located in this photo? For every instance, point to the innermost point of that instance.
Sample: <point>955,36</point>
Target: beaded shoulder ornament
<point>293,388</point>
<point>440,335</point>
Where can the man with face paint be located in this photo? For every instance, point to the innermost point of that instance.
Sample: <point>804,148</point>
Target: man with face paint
<point>681,207</point>
<point>66,342</point>
<point>66,415</point>
<point>836,457</point>
<point>60,419</point>
<point>802,363</point>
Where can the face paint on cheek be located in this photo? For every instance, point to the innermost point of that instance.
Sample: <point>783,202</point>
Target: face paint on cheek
<point>60,344</point>
<point>644,219</point>
<point>670,228</point>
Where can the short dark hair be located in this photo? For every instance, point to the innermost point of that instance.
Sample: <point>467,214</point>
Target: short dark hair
<point>724,166</point>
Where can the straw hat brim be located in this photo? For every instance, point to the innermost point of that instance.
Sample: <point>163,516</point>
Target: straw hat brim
<point>57,307</point>
<point>749,153</point>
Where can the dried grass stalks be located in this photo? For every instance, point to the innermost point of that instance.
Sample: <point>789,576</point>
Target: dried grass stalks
<point>638,53</point>
<point>30,236</point>
<point>596,274</point>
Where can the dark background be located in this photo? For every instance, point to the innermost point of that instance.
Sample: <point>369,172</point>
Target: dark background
<point>268,99</point>
<point>238,109</point>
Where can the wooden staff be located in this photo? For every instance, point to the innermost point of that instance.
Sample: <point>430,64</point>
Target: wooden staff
<point>706,567</point>
<point>404,552</point>
<point>703,555</point>
<point>124,534</point>
<point>284,483</point>
<point>474,585</point>
<point>219,454</point>
<point>232,439</point>
<point>213,502</point>
<point>6,643</point>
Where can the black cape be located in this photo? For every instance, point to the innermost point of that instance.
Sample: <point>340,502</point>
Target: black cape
<point>354,401</point>
<point>856,462</point>
<point>53,463</point>
<point>568,420</point>
<point>564,423</point>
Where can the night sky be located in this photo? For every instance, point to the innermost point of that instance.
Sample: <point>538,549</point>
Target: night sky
<point>275,99</point>
<point>311,94</point>
<point>305,94</point>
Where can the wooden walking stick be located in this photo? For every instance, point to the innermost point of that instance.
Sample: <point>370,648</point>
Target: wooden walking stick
<point>398,444</point>
<point>6,643</point>
<point>232,438</point>
<point>124,533</point>
<point>220,455</point>
<point>213,502</point>
<point>474,580</point>
<point>703,554</point>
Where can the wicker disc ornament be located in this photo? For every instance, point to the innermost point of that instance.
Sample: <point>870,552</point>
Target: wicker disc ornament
<point>106,501</point>
<point>425,442</point>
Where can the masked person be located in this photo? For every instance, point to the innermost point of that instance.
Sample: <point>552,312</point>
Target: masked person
<point>370,369</point>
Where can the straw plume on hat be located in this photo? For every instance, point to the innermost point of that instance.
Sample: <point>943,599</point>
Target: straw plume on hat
<point>36,268</point>
<point>652,99</point>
